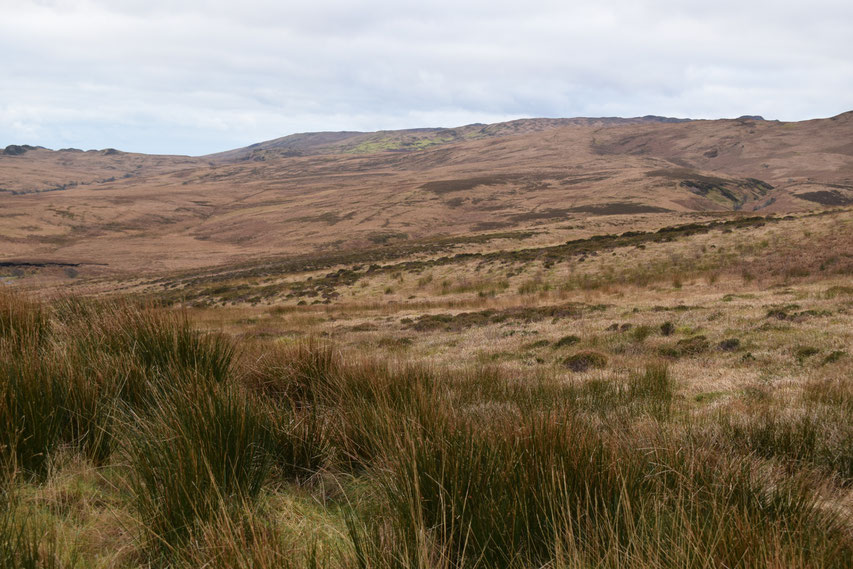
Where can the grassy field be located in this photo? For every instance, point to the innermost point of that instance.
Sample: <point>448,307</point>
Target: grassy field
<point>676,397</point>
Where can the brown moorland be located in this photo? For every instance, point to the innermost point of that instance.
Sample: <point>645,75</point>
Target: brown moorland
<point>121,213</point>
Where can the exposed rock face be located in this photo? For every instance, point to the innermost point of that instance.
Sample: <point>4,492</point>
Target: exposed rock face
<point>17,150</point>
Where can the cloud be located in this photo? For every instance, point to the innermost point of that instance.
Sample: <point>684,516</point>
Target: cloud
<point>196,77</point>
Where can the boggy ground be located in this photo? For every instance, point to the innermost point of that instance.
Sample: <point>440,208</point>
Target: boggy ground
<point>675,398</point>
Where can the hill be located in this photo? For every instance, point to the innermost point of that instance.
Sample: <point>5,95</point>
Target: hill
<point>304,194</point>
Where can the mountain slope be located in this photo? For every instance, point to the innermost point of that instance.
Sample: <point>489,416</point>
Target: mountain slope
<point>561,177</point>
<point>314,143</point>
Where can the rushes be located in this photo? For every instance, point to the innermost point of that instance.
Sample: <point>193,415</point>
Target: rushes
<point>556,490</point>
<point>45,403</point>
<point>431,467</point>
<point>816,435</point>
<point>65,392</point>
<point>194,451</point>
<point>302,374</point>
<point>159,343</point>
<point>651,392</point>
<point>23,321</point>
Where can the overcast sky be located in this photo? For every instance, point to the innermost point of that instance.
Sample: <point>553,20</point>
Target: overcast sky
<point>194,77</point>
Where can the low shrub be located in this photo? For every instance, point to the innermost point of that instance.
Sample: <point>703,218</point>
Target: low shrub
<point>583,361</point>
<point>640,333</point>
<point>569,340</point>
<point>693,345</point>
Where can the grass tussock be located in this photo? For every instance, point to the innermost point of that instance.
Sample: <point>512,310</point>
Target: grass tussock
<point>555,490</point>
<point>585,360</point>
<point>23,321</point>
<point>193,452</point>
<point>814,430</point>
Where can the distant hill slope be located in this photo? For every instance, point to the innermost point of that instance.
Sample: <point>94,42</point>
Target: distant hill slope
<point>339,191</point>
<point>313,143</point>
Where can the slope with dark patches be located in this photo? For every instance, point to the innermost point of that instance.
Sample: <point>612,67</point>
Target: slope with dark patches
<point>564,178</point>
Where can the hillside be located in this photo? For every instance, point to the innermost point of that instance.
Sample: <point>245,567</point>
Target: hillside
<point>314,143</point>
<point>121,213</point>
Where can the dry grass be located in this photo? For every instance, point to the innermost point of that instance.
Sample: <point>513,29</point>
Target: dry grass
<point>708,426</point>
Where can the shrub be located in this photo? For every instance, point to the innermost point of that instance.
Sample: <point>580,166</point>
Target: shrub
<point>583,361</point>
<point>693,345</point>
<point>569,340</point>
<point>640,333</point>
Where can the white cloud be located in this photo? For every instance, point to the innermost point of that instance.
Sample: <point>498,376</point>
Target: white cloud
<point>200,76</point>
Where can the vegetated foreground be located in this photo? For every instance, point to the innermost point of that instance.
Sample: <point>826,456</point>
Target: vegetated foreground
<point>678,397</point>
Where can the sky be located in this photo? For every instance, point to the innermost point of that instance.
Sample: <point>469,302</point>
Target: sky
<point>196,77</point>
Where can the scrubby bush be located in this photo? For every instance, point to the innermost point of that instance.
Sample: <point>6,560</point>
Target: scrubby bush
<point>693,345</point>
<point>583,361</point>
<point>569,340</point>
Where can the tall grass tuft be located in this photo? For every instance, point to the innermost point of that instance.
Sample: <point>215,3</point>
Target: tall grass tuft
<point>141,347</point>
<point>303,374</point>
<point>344,412</point>
<point>45,403</point>
<point>556,491</point>
<point>193,453</point>
<point>241,538</point>
<point>23,321</point>
<point>818,436</point>
<point>34,414</point>
<point>66,391</point>
<point>648,392</point>
<point>20,541</point>
<point>162,343</point>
